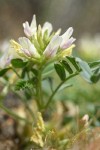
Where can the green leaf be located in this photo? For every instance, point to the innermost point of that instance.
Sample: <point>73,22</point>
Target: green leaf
<point>86,71</point>
<point>96,76</point>
<point>18,63</point>
<point>67,66</point>
<point>60,71</point>
<point>3,71</point>
<point>94,64</point>
<point>74,63</point>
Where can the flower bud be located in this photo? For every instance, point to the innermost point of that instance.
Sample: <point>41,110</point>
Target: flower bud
<point>30,30</point>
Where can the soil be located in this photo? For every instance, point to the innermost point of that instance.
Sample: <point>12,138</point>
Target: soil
<point>9,139</point>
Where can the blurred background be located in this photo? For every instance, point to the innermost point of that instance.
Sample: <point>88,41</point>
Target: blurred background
<point>83,16</point>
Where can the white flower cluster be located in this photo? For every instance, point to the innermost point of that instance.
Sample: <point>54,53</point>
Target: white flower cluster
<point>41,43</point>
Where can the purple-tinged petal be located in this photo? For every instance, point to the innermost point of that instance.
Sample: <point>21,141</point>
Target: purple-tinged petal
<point>52,47</point>
<point>27,29</point>
<point>28,48</point>
<point>66,36</point>
<point>30,30</point>
<point>5,60</point>
<point>68,43</point>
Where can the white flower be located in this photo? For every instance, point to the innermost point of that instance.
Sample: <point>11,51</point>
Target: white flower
<point>66,40</point>
<point>41,43</point>
<point>5,60</point>
<point>52,47</point>
<point>6,57</point>
<point>25,48</point>
<point>30,30</point>
<point>63,42</point>
<point>47,26</point>
<point>28,48</point>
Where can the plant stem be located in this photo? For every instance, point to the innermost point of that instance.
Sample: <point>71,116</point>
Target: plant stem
<point>14,115</point>
<point>39,89</point>
<point>57,88</point>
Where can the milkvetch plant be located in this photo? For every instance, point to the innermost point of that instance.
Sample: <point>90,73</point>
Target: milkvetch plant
<point>34,57</point>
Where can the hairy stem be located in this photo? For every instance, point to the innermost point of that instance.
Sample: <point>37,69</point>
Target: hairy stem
<point>39,89</point>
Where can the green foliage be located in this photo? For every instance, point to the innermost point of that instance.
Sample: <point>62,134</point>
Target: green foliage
<point>34,71</point>
<point>18,63</point>
<point>94,63</point>
<point>89,71</point>
<point>96,75</point>
<point>67,66</point>
<point>73,62</point>
<point>86,71</point>
<point>60,71</point>
<point>3,71</point>
<point>22,85</point>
